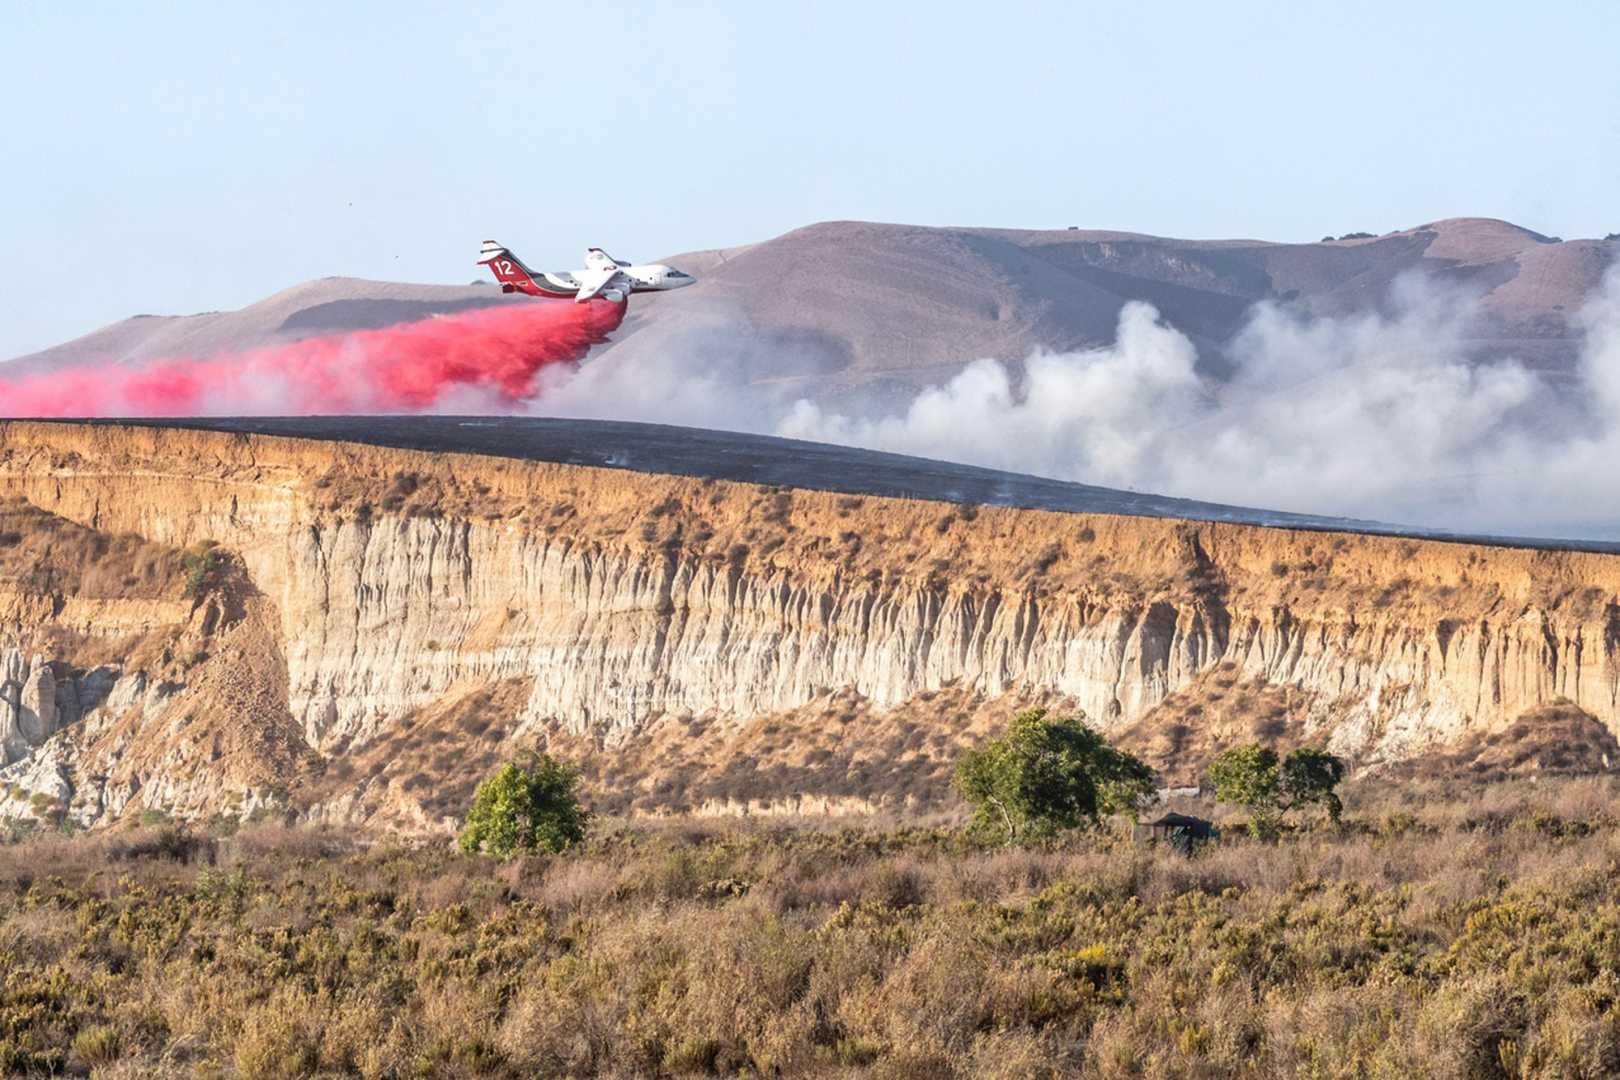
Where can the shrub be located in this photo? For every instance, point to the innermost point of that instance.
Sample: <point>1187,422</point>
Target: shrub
<point>1309,775</point>
<point>1044,561</point>
<point>97,1044</point>
<point>1252,777</point>
<point>527,805</point>
<point>1047,774</point>
<point>403,487</point>
<point>201,562</point>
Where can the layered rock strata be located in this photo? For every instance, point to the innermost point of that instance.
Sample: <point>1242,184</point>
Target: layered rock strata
<point>381,582</point>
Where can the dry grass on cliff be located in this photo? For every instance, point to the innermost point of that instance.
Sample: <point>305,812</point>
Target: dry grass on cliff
<point>1555,739</point>
<point>423,770</point>
<point>839,752</point>
<point>42,553</point>
<point>1441,934</point>
<point>842,754</point>
<point>1218,709</point>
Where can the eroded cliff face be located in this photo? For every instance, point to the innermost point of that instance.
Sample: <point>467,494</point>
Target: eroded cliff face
<point>372,587</point>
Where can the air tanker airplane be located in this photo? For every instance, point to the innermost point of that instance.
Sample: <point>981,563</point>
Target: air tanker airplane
<point>603,276</point>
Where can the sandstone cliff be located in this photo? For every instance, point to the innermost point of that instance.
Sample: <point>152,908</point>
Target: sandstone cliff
<point>377,625</point>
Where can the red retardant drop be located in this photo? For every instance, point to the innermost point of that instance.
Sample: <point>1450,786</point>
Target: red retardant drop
<point>488,357</point>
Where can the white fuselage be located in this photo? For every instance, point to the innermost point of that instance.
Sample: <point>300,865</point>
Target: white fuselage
<point>651,277</point>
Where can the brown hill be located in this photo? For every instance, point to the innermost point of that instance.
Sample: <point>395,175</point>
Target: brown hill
<point>330,305</point>
<point>869,302</point>
<point>844,304</point>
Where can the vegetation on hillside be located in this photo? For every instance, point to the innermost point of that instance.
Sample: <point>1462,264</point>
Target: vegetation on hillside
<point>528,805</point>
<point>202,563</point>
<point>1046,774</point>
<point>1435,934</point>
<point>1252,776</point>
<point>43,553</point>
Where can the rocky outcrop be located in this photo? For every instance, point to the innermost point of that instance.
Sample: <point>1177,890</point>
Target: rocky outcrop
<point>36,702</point>
<point>613,638</point>
<point>385,581</point>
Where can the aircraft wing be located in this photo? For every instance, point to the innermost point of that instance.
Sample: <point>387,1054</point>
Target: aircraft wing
<point>594,279</point>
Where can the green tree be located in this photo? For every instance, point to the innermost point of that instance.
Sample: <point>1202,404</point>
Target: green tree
<point>1253,777</point>
<point>1249,776</point>
<point>526,805</point>
<point>1047,774</point>
<point>1309,775</point>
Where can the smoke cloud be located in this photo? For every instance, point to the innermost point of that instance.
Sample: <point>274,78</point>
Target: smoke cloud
<point>485,360</point>
<point>1381,415</point>
<point>1371,415</point>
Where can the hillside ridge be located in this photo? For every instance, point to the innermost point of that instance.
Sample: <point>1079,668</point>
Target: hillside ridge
<point>837,307</point>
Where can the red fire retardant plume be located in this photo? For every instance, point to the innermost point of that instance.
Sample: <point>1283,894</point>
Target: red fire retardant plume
<point>487,357</point>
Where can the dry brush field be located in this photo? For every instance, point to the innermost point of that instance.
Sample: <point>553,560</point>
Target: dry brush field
<point>1440,933</point>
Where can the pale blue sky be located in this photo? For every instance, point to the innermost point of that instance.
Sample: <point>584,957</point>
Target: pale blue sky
<point>177,157</point>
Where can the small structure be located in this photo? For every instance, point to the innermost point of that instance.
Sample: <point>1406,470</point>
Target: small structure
<point>1180,831</point>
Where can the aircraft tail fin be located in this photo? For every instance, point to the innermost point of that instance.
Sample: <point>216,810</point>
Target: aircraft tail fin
<point>508,270</point>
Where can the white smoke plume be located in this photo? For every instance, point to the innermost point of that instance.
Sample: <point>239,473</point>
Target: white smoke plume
<point>1377,415</point>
